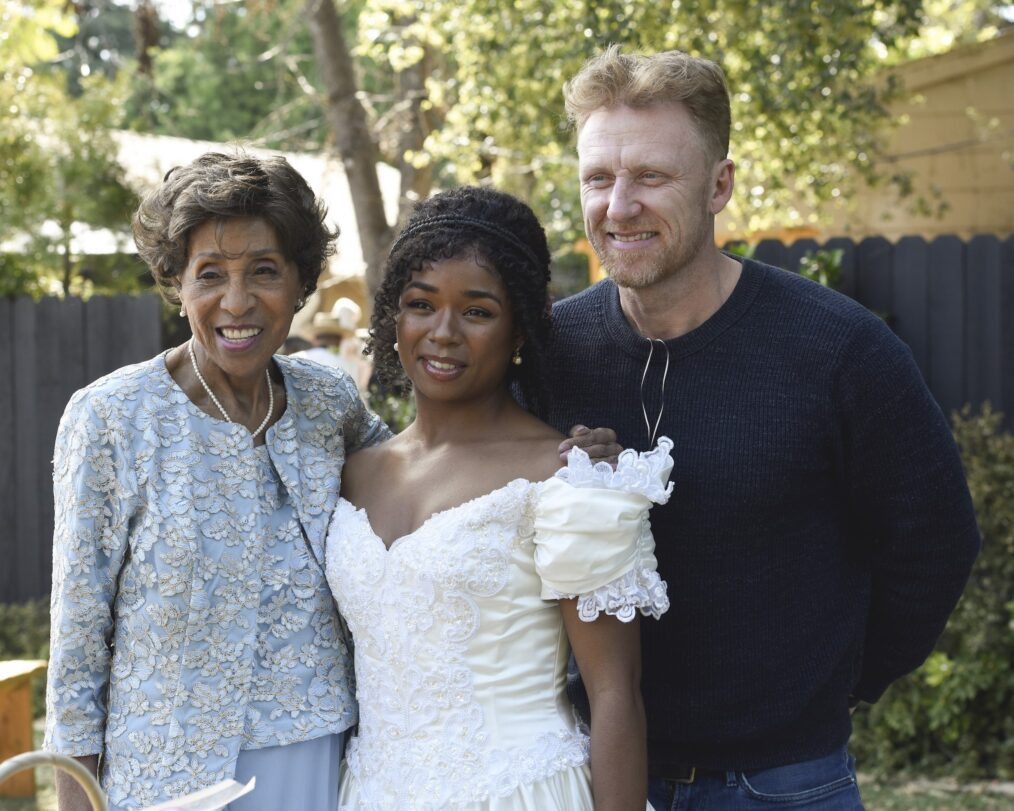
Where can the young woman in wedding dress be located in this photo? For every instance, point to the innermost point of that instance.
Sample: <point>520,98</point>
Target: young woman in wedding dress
<point>466,569</point>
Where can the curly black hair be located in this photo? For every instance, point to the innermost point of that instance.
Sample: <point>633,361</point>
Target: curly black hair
<point>218,186</point>
<point>503,234</point>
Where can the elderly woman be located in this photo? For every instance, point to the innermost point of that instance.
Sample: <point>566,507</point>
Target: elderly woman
<point>194,638</point>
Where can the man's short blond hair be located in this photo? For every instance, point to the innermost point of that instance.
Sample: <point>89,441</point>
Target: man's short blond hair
<point>612,79</point>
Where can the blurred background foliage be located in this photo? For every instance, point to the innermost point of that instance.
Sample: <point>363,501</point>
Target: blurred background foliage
<point>452,92</point>
<point>58,169</point>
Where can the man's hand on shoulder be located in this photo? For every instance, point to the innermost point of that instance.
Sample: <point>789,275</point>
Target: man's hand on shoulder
<point>599,443</point>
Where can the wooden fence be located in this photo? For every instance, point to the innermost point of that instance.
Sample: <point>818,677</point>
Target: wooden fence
<point>48,350</point>
<point>952,302</point>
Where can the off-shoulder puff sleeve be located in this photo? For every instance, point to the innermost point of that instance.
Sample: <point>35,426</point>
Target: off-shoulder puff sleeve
<point>592,536</point>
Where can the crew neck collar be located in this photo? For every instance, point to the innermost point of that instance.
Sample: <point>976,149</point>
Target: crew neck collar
<point>623,335</point>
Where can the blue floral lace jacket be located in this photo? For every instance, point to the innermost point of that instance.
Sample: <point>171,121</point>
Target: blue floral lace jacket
<point>191,617</point>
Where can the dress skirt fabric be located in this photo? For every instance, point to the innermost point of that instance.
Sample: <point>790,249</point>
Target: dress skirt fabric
<point>569,790</point>
<point>300,775</point>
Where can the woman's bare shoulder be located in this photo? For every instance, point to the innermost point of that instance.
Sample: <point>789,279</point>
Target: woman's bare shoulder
<point>532,428</point>
<point>365,466</point>
<point>536,456</point>
<point>546,456</point>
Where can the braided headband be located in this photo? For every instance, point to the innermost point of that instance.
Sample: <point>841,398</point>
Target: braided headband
<point>469,222</point>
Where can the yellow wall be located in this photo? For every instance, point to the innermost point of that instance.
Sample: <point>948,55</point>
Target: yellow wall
<point>955,136</point>
<point>952,132</point>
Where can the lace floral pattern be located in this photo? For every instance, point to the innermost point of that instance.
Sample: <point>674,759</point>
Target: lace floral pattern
<point>638,590</point>
<point>190,617</point>
<point>644,473</point>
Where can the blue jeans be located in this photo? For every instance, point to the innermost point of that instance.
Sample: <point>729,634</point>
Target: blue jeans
<point>824,784</point>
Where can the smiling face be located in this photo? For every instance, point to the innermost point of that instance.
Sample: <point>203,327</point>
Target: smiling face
<point>649,193</point>
<point>239,292</point>
<point>455,331</point>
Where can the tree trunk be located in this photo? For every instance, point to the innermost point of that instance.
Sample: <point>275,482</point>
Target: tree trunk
<point>413,127</point>
<point>146,34</point>
<point>356,148</point>
<point>68,264</point>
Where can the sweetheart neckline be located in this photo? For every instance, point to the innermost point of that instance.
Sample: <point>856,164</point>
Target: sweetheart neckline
<point>431,518</point>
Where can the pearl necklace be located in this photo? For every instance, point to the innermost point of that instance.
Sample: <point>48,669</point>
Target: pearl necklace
<point>220,407</point>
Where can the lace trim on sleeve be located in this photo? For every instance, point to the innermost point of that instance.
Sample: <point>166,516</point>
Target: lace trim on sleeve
<point>638,590</point>
<point>643,473</point>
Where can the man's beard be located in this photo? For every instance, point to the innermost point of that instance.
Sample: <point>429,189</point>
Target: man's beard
<point>638,270</point>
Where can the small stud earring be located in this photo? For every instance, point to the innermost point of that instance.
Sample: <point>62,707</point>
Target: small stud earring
<point>183,311</point>
<point>516,357</point>
<point>395,346</point>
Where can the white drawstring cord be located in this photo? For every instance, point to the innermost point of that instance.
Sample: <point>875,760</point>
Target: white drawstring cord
<point>661,406</point>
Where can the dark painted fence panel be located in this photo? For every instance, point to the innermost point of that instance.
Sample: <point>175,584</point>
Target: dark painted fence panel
<point>910,297</point>
<point>952,302</point>
<point>23,536</point>
<point>873,275</point>
<point>849,275</point>
<point>772,252</point>
<point>797,250</point>
<point>983,302</point>
<point>1007,326</point>
<point>946,322</point>
<point>48,350</point>
<point>8,432</point>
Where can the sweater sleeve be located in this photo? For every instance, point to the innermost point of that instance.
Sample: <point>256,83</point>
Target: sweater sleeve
<point>907,499</point>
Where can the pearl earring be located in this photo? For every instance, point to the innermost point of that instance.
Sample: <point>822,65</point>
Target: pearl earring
<point>183,311</point>
<point>516,357</point>
<point>395,346</point>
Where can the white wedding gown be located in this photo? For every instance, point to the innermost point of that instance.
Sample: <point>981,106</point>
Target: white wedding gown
<point>460,650</point>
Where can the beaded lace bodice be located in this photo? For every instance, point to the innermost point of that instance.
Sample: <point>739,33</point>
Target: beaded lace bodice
<point>460,663</point>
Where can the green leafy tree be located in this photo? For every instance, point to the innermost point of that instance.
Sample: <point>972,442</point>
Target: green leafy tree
<point>945,24</point>
<point>102,41</point>
<point>488,105</point>
<point>470,91</point>
<point>58,164</point>
<point>27,40</point>
<point>238,72</point>
<point>805,106</point>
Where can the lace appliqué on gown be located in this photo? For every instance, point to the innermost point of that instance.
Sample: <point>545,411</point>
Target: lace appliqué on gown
<point>415,610</point>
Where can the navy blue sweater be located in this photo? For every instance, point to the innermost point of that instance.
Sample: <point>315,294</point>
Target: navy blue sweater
<point>820,531</point>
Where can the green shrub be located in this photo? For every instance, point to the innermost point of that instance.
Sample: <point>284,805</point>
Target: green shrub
<point>24,634</point>
<point>24,630</point>
<point>823,267</point>
<point>396,409</point>
<point>955,714</point>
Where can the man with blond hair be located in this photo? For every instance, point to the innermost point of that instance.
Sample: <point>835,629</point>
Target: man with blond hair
<point>821,530</point>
